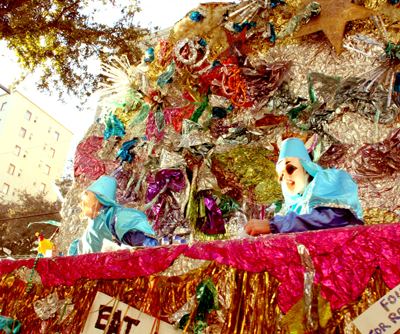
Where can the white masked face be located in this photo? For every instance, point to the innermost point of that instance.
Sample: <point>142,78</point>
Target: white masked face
<point>292,174</point>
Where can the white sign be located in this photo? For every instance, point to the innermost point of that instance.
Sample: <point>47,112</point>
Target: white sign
<point>383,317</point>
<point>122,322</point>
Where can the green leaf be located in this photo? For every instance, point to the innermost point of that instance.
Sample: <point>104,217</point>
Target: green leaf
<point>50,222</point>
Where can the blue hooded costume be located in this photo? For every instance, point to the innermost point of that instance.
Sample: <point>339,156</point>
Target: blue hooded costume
<point>329,200</point>
<point>127,226</point>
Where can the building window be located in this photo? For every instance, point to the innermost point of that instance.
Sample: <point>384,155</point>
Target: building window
<point>45,146</point>
<point>25,154</point>
<point>6,188</point>
<point>28,115</point>
<point>11,169</point>
<point>30,136</point>
<point>47,170</point>
<point>17,150</point>
<point>22,132</point>
<point>20,172</point>
<point>42,187</point>
<point>56,135</point>
<point>35,120</point>
<point>52,152</point>
<point>3,106</point>
<point>49,129</point>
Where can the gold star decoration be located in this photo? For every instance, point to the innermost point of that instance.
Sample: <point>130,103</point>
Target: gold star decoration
<point>333,18</point>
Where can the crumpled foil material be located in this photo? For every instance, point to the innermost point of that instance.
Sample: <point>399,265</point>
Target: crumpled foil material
<point>206,179</point>
<point>377,160</point>
<point>254,170</point>
<point>72,226</point>
<point>379,216</point>
<point>303,17</point>
<point>171,160</point>
<point>187,308</point>
<point>310,323</point>
<point>48,307</point>
<point>367,103</point>
<point>351,128</point>
<point>380,193</point>
<point>219,101</point>
<point>85,161</point>
<point>196,138</point>
<point>24,274</point>
<point>110,148</point>
<point>182,265</point>
<point>316,55</point>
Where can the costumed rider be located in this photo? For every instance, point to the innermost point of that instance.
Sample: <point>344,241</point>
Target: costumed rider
<point>315,198</point>
<point>110,221</point>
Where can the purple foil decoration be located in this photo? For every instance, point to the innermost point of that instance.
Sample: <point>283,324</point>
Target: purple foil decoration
<point>176,183</point>
<point>215,223</point>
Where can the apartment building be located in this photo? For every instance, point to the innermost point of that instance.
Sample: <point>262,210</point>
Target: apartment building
<point>33,147</point>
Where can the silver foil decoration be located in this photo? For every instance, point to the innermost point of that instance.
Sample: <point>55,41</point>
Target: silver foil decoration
<point>171,160</point>
<point>24,273</point>
<point>219,101</point>
<point>182,265</point>
<point>308,291</point>
<point>187,308</point>
<point>48,307</point>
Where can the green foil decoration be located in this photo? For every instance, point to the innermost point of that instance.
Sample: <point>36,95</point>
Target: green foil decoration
<point>167,75</point>
<point>254,170</point>
<point>207,300</point>
<point>228,206</point>
<point>143,113</point>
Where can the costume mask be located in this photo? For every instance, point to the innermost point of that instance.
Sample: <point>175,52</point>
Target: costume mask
<point>292,175</point>
<point>90,205</point>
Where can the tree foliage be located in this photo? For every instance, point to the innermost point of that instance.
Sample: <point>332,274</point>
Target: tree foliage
<point>15,234</point>
<point>60,37</point>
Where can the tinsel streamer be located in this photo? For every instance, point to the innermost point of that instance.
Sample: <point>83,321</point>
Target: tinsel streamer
<point>310,323</point>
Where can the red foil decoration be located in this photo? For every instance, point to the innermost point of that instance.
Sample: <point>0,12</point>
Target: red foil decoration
<point>344,260</point>
<point>85,162</point>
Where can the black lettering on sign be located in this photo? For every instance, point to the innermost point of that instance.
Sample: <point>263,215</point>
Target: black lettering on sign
<point>384,304</point>
<point>392,299</point>
<point>104,313</point>
<point>397,294</point>
<point>130,322</point>
<point>393,317</point>
<point>383,326</point>
<point>115,323</point>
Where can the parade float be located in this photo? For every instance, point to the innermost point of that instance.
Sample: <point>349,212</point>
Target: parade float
<point>192,136</point>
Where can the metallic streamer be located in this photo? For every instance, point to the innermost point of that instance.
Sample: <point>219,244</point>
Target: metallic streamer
<point>308,291</point>
<point>304,16</point>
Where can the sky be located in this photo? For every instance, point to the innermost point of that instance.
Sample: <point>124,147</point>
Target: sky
<point>161,13</point>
